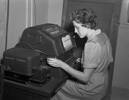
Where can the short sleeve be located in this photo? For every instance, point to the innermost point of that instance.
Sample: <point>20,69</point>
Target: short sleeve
<point>92,55</point>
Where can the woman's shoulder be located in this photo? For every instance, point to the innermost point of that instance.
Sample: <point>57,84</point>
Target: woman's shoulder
<point>92,46</point>
<point>101,38</point>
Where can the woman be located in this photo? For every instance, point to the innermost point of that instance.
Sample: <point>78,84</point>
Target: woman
<point>96,56</point>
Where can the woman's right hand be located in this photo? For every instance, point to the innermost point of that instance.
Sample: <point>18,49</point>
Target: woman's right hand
<point>56,62</point>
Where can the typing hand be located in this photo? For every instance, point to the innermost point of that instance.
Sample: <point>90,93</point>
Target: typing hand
<point>78,60</point>
<point>55,62</point>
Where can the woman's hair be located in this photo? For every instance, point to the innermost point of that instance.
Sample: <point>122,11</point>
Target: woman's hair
<point>86,17</point>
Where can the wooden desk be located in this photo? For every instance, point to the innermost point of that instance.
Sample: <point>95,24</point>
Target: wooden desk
<point>1,81</point>
<point>18,91</point>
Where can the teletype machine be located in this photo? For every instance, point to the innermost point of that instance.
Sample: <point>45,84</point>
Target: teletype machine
<point>26,65</point>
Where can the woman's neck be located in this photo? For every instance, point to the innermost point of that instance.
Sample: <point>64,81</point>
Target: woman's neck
<point>92,34</point>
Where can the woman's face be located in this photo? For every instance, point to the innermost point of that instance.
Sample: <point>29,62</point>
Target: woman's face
<point>80,30</point>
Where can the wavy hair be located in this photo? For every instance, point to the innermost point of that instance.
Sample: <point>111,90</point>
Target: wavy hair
<point>86,17</point>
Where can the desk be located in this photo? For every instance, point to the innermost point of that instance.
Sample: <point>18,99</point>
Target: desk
<point>18,91</point>
<point>1,82</point>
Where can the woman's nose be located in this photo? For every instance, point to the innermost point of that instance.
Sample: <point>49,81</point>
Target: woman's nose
<point>75,30</point>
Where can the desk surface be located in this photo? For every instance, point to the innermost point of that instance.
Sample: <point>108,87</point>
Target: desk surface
<point>47,89</point>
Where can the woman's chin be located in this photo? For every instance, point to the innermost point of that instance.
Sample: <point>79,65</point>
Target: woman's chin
<point>81,36</point>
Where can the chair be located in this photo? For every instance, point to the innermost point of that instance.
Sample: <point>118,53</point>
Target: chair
<point>107,96</point>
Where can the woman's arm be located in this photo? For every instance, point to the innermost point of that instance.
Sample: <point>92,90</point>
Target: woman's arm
<point>92,52</point>
<point>81,76</point>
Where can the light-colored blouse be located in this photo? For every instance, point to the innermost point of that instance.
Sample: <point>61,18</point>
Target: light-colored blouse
<point>98,52</point>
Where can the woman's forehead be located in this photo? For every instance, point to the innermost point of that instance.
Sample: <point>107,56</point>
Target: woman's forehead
<point>76,24</point>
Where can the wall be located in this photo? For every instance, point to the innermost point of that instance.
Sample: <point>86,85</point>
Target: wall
<point>121,69</point>
<point>17,21</point>
<point>25,13</point>
<point>3,16</point>
<point>22,14</point>
<point>41,11</point>
<point>55,11</point>
<point>48,11</point>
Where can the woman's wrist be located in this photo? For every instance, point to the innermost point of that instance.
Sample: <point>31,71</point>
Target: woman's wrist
<point>65,67</point>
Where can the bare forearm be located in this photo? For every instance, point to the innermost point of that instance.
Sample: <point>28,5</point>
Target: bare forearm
<point>81,76</point>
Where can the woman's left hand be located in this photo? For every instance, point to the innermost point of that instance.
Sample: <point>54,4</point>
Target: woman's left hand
<point>56,62</point>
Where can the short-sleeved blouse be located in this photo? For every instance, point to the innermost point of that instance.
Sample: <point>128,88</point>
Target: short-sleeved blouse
<point>97,54</point>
